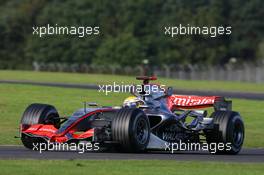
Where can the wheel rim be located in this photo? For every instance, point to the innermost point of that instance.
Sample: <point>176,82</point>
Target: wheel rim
<point>141,131</point>
<point>238,134</point>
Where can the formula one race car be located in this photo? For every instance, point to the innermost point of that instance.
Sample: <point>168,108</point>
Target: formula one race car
<point>152,119</point>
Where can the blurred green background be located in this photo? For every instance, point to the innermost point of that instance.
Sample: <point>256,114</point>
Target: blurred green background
<point>130,31</point>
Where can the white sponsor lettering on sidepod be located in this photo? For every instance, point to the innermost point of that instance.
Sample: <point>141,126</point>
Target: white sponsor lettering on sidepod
<point>181,101</point>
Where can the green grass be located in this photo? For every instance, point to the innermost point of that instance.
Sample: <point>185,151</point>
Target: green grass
<point>110,167</point>
<point>15,98</point>
<point>106,79</point>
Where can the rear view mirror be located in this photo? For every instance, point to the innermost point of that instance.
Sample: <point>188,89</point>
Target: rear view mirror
<point>169,91</point>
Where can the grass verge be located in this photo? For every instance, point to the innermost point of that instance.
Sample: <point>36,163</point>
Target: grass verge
<point>109,79</point>
<point>151,167</point>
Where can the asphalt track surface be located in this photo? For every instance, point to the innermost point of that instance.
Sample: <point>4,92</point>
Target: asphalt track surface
<point>242,95</point>
<point>19,152</point>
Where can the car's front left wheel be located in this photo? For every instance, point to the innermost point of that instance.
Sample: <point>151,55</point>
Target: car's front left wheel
<point>131,129</point>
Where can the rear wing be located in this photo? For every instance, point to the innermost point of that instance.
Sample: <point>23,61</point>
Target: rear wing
<point>195,102</point>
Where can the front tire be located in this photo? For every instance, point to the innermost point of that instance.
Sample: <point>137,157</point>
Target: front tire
<point>38,114</point>
<point>131,129</point>
<point>228,130</point>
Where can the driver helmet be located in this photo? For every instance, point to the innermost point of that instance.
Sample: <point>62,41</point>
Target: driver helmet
<point>133,102</point>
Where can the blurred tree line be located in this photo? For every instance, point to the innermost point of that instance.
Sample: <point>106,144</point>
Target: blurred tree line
<point>130,31</point>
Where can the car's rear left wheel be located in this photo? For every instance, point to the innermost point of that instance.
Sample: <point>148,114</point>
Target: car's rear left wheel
<point>228,130</point>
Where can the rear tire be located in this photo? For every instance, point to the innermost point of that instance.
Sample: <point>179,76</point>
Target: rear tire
<point>228,129</point>
<point>131,129</point>
<point>38,114</point>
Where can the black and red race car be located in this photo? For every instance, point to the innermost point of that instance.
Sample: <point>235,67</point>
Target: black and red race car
<point>153,119</point>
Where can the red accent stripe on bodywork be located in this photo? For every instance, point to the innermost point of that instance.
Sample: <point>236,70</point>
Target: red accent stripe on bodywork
<point>49,131</point>
<point>190,102</point>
